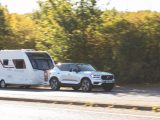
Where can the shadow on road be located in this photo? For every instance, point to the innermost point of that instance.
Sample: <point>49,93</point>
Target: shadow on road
<point>137,90</point>
<point>118,90</point>
<point>34,89</point>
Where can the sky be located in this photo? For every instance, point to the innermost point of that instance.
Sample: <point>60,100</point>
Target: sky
<point>26,6</point>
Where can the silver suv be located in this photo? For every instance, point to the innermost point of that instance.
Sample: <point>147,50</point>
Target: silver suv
<point>79,75</point>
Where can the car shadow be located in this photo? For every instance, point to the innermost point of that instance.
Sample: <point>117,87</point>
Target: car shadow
<point>32,89</point>
<point>118,90</point>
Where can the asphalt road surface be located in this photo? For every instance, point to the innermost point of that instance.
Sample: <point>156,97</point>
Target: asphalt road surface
<point>134,96</point>
<point>41,111</point>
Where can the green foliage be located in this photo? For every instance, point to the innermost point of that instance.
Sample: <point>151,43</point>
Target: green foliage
<point>25,31</point>
<point>125,43</point>
<point>131,36</point>
<point>4,28</point>
<point>16,31</point>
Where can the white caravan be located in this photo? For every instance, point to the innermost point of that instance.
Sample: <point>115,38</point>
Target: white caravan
<point>24,67</point>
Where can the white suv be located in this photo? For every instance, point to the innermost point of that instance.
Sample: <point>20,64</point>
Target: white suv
<point>79,75</point>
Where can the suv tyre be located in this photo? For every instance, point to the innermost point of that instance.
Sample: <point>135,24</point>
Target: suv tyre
<point>86,85</point>
<point>54,83</point>
<point>108,87</point>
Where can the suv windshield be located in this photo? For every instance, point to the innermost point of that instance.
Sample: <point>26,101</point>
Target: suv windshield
<point>85,67</point>
<point>40,60</point>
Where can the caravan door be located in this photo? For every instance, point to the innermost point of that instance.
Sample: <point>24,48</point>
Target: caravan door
<point>20,72</point>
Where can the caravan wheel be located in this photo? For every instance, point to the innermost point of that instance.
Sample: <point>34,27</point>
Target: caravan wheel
<point>2,84</point>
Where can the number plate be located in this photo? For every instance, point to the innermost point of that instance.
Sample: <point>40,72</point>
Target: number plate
<point>108,81</point>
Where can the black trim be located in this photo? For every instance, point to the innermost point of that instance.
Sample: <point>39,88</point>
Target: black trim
<point>69,85</point>
<point>69,80</point>
<point>103,84</point>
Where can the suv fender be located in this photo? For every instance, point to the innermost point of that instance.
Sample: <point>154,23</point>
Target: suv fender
<point>52,78</point>
<point>86,84</point>
<point>85,78</point>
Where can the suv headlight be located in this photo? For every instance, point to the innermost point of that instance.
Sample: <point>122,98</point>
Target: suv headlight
<point>95,76</point>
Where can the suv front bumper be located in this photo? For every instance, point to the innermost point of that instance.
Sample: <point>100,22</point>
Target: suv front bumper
<point>99,82</point>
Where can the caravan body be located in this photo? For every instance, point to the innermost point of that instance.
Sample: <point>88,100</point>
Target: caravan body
<point>24,67</point>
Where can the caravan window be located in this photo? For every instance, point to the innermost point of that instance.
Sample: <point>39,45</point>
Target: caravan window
<point>40,60</point>
<point>5,62</point>
<point>19,64</point>
<point>42,64</point>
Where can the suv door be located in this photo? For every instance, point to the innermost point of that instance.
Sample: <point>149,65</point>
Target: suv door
<point>20,73</point>
<point>74,76</point>
<point>65,73</point>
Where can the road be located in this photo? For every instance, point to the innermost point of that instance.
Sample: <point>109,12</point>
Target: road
<point>42,111</point>
<point>133,96</point>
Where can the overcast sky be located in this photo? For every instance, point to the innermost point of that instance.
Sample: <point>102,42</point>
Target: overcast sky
<point>25,6</point>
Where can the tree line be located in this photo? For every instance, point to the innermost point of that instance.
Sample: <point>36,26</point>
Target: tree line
<point>124,43</point>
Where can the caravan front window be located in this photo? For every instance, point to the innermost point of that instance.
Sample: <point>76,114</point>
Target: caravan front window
<point>40,60</point>
<point>41,64</point>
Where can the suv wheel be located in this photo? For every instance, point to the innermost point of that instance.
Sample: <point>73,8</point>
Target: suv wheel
<point>86,85</point>
<point>54,83</point>
<point>3,84</point>
<point>108,87</point>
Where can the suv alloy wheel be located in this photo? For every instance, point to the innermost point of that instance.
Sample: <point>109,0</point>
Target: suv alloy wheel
<point>54,83</point>
<point>86,85</point>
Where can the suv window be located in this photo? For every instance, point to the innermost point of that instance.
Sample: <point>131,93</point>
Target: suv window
<point>86,67</point>
<point>64,67</point>
<point>73,67</point>
<point>19,64</point>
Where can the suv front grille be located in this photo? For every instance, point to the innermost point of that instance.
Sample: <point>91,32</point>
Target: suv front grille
<point>107,77</point>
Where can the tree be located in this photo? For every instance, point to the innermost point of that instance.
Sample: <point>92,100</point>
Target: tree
<point>4,28</point>
<point>51,18</point>
<point>25,31</point>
